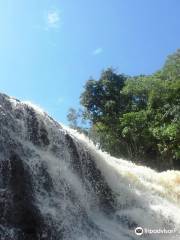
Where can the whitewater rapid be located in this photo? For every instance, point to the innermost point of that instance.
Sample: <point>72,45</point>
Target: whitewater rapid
<point>143,195</point>
<point>78,191</point>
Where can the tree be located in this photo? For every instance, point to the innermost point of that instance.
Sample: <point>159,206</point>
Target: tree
<point>102,99</point>
<point>104,104</point>
<point>72,117</point>
<point>171,69</point>
<point>136,117</point>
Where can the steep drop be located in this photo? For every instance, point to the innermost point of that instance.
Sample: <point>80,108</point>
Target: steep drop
<point>54,184</point>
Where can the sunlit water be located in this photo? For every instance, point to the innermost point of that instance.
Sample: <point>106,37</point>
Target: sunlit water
<point>142,196</point>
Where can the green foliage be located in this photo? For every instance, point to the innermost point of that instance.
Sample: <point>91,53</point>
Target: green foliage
<point>104,104</point>
<point>171,69</point>
<point>72,117</point>
<point>102,98</point>
<point>76,121</point>
<point>137,117</point>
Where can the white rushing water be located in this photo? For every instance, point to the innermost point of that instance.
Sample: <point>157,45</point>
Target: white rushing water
<point>143,195</point>
<point>70,200</point>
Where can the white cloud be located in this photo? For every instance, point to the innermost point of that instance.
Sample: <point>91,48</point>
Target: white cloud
<point>97,51</point>
<point>53,19</point>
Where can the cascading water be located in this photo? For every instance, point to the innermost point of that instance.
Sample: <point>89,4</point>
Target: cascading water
<point>55,184</point>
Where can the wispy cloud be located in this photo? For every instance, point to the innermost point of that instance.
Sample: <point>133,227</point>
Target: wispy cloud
<point>53,19</point>
<point>97,51</point>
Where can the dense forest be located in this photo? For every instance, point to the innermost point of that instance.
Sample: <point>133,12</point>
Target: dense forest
<point>135,117</point>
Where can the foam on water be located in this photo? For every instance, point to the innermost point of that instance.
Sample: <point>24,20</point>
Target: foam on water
<point>142,196</point>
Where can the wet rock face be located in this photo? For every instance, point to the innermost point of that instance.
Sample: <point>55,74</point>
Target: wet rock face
<point>20,217</point>
<point>86,169</point>
<point>16,202</point>
<point>37,200</point>
<point>37,133</point>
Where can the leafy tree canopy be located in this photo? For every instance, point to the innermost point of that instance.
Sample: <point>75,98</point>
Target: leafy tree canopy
<point>136,117</point>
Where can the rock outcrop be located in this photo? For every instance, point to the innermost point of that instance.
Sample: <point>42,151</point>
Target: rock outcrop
<point>37,200</point>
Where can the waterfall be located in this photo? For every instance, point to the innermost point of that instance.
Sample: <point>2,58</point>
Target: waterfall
<point>55,184</point>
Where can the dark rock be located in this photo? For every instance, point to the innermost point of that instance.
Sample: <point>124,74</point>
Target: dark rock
<point>42,171</point>
<point>86,168</point>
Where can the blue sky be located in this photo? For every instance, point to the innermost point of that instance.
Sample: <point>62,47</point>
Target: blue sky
<point>49,48</point>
